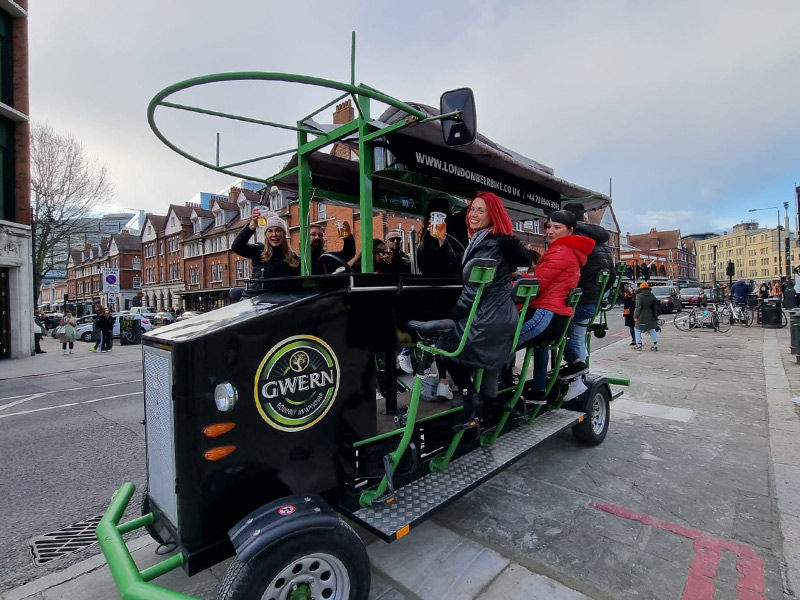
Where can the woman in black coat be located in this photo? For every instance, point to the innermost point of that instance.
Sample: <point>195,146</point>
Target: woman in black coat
<point>492,331</point>
<point>105,322</point>
<point>628,306</point>
<point>275,259</point>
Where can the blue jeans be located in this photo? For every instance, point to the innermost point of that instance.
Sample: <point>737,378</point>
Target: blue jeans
<point>653,335</point>
<point>530,329</point>
<point>576,338</point>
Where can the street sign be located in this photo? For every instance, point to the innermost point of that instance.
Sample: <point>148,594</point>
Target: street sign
<point>112,300</point>
<point>110,281</point>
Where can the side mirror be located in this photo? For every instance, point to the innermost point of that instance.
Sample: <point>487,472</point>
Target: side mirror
<point>460,130</point>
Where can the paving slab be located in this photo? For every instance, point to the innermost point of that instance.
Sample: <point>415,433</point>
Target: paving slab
<point>517,582</point>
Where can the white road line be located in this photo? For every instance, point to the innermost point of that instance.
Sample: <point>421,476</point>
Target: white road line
<point>33,410</point>
<point>39,395</point>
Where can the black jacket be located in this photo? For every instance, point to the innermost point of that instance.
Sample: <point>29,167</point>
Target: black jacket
<point>275,267</point>
<point>439,261</point>
<point>489,341</point>
<point>398,265</point>
<point>347,252</point>
<point>599,259</point>
<point>106,323</point>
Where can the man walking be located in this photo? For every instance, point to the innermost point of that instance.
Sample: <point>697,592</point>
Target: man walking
<point>97,309</point>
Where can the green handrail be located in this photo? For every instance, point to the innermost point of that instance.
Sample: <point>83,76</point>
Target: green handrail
<point>132,583</point>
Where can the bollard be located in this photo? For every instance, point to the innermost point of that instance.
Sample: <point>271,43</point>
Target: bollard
<point>794,331</point>
<point>771,315</point>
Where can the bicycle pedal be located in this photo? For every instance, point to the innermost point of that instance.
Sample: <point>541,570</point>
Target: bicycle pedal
<point>384,500</point>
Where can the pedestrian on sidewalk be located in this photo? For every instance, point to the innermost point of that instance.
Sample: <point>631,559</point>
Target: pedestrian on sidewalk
<point>97,309</point>
<point>628,306</point>
<point>646,316</point>
<point>38,331</point>
<point>66,332</point>
<point>106,324</point>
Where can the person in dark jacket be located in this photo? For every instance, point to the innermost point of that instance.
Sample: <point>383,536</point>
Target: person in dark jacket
<point>317,234</point>
<point>379,251</point>
<point>106,324</point>
<point>644,315</point>
<point>628,307</point>
<point>492,331</point>
<point>433,259</point>
<point>740,291</point>
<point>395,260</point>
<point>38,331</point>
<point>97,309</point>
<point>558,272</point>
<point>600,258</point>
<point>275,259</point>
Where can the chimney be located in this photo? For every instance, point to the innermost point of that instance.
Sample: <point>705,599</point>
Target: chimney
<point>344,113</point>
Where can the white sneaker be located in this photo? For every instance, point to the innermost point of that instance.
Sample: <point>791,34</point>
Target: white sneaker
<point>379,396</point>
<point>576,388</point>
<point>70,351</point>
<point>443,392</point>
<point>404,362</point>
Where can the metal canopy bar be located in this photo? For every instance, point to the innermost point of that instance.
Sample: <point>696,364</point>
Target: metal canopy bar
<point>328,105</point>
<point>216,113</point>
<point>252,160</point>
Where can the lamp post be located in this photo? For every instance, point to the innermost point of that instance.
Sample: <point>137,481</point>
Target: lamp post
<point>787,242</point>
<point>777,210</point>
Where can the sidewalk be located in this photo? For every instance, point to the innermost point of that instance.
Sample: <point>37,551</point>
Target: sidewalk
<point>492,543</point>
<point>55,362</point>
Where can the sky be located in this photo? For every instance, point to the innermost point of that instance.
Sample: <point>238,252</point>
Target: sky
<point>691,108</point>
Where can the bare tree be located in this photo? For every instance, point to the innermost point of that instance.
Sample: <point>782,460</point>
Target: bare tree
<point>68,186</point>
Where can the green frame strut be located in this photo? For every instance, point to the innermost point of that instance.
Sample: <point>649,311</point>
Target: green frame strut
<point>132,583</point>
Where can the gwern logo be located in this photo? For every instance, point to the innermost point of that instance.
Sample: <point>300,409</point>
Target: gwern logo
<point>296,383</point>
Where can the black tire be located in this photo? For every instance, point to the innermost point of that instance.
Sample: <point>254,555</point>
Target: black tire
<point>784,321</point>
<point>86,336</point>
<point>593,429</point>
<point>335,561</point>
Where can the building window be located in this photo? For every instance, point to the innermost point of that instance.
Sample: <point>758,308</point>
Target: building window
<point>136,263</point>
<point>322,211</point>
<point>277,201</point>
<point>137,281</point>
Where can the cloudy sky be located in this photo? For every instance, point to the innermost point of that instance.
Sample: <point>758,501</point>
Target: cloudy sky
<point>693,108</point>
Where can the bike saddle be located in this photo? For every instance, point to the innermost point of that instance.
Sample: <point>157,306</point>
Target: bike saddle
<point>427,329</point>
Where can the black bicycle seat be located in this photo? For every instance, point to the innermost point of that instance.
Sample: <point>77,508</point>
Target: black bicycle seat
<point>428,329</point>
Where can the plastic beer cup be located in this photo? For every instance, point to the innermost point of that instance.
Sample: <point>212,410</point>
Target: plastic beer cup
<point>437,224</point>
<point>262,220</point>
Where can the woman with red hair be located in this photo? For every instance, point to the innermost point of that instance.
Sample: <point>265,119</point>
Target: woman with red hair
<point>492,331</point>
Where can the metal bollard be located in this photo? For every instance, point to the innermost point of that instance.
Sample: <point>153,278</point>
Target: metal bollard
<point>794,330</point>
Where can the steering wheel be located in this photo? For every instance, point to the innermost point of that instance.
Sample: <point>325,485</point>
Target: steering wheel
<point>330,263</point>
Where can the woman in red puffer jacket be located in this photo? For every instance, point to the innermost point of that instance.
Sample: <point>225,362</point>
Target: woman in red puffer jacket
<point>558,272</point>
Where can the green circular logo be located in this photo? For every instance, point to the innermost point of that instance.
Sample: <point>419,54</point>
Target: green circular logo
<point>296,383</point>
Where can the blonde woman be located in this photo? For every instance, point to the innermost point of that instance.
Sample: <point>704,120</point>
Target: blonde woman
<point>66,332</point>
<point>273,259</point>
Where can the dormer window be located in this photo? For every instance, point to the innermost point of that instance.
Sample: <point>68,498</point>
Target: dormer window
<point>219,218</point>
<point>246,209</point>
<point>196,228</point>
<point>276,200</point>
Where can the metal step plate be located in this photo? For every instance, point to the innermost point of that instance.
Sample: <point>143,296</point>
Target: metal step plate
<point>416,501</point>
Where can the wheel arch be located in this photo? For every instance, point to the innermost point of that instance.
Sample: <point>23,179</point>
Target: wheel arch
<point>279,520</point>
<point>593,384</point>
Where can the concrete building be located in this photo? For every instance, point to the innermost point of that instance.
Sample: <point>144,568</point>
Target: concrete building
<point>16,273</point>
<point>757,253</point>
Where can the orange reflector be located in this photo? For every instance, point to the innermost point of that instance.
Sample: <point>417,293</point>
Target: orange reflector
<point>217,429</point>
<point>403,531</point>
<point>580,419</point>
<point>218,452</point>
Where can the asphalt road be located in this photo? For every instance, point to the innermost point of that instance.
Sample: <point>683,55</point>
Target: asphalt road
<point>67,440</point>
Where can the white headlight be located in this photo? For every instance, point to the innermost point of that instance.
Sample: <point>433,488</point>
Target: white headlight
<point>225,396</point>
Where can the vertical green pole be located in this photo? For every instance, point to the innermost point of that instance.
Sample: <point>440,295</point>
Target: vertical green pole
<point>304,193</point>
<point>365,186</point>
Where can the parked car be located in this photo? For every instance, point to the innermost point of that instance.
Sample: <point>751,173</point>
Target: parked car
<point>147,312</point>
<point>187,315</point>
<point>163,318</point>
<point>84,331</point>
<point>669,296</point>
<point>51,319</point>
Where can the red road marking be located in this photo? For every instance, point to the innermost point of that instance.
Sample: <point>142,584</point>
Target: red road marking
<point>707,554</point>
<point>620,334</point>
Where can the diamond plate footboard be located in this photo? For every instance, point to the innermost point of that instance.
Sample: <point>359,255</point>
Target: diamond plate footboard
<point>417,500</point>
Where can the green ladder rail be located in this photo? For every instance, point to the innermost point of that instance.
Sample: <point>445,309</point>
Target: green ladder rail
<point>480,275</point>
<point>132,583</point>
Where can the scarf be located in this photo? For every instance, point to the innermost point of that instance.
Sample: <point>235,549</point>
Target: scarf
<point>474,241</point>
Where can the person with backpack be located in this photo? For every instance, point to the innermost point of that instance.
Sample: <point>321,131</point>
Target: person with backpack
<point>645,315</point>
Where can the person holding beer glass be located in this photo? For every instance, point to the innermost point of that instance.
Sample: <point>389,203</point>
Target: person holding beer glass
<point>348,251</point>
<point>274,258</point>
<point>395,261</point>
<point>492,331</point>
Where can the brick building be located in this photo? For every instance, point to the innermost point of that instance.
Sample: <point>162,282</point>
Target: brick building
<point>666,254</point>
<point>16,274</point>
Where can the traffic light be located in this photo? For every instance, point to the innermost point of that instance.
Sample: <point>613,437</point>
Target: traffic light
<point>628,272</point>
<point>730,270</point>
<point>645,272</point>
<point>638,271</point>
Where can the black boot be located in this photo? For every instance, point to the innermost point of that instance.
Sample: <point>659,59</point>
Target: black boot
<point>471,412</point>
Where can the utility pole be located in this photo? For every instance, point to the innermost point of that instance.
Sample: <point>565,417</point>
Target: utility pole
<point>714,269</point>
<point>788,242</point>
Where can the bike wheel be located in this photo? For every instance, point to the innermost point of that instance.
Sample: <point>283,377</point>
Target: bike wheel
<point>682,320</point>
<point>784,321</point>
<point>722,322</point>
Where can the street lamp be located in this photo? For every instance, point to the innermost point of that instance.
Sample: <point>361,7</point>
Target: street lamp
<point>777,210</point>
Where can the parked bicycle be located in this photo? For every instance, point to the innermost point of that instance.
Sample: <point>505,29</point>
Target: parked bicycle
<point>708,317</point>
<point>737,313</point>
